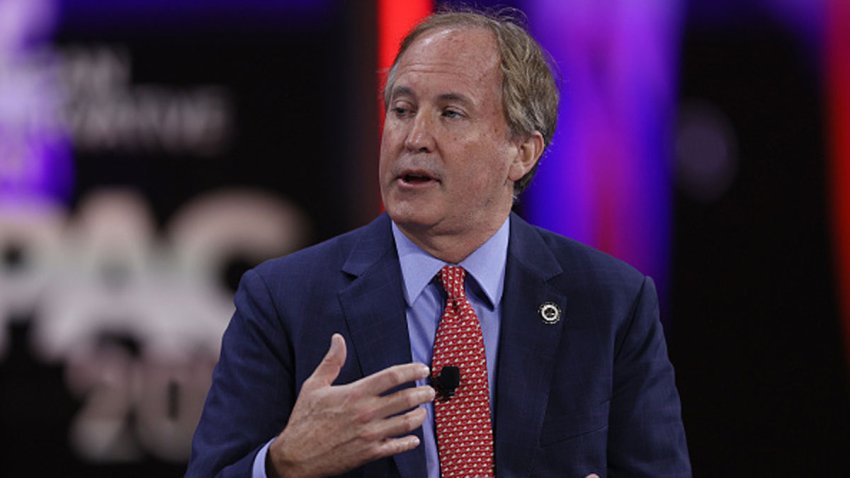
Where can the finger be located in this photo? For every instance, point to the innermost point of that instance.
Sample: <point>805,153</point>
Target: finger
<point>394,376</point>
<point>400,424</point>
<point>405,399</point>
<point>394,446</point>
<point>328,369</point>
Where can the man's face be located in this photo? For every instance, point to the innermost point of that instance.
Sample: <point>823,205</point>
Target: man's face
<point>447,161</point>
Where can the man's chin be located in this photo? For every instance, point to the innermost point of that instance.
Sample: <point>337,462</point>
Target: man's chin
<point>411,217</point>
<point>413,222</point>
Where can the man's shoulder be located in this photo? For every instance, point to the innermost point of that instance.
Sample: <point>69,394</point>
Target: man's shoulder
<point>582,253</point>
<point>327,256</point>
<point>574,257</point>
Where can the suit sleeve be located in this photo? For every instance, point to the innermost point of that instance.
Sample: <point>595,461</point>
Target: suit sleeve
<point>252,388</point>
<point>646,437</point>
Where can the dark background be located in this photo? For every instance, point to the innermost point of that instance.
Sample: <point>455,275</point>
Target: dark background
<point>755,330</point>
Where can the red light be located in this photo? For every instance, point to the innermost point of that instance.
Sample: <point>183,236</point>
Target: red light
<point>838,99</point>
<point>395,19</point>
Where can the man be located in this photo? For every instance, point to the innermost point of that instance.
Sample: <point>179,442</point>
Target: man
<point>571,361</point>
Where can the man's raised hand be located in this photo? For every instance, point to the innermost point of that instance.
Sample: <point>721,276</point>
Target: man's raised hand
<point>333,429</point>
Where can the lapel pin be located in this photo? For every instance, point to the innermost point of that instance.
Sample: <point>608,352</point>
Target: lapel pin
<point>550,313</point>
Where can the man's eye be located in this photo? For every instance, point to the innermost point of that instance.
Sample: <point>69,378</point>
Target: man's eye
<point>401,110</point>
<point>452,114</point>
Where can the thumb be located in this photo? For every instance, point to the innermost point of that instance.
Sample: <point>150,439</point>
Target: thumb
<point>328,369</point>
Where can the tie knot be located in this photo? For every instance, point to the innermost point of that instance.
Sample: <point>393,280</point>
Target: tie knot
<point>452,279</point>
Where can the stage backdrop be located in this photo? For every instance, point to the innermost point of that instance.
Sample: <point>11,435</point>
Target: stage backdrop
<point>152,150</point>
<point>149,153</point>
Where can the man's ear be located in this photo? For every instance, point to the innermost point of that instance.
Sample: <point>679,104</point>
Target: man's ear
<point>529,152</point>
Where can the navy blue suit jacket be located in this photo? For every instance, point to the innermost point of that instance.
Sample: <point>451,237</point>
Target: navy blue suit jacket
<point>593,393</point>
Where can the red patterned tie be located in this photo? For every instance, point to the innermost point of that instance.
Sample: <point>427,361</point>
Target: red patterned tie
<point>464,432</point>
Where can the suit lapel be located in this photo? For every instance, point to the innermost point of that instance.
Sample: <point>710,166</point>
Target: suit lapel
<point>526,350</point>
<point>374,309</point>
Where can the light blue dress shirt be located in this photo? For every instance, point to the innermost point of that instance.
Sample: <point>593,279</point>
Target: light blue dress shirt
<point>425,299</point>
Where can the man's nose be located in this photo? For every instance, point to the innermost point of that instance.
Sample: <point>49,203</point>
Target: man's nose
<point>419,137</point>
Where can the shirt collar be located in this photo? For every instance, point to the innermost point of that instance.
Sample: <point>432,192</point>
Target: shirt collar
<point>486,264</point>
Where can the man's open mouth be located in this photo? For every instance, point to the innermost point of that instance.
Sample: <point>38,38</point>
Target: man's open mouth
<point>417,178</point>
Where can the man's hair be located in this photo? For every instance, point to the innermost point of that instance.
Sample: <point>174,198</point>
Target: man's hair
<point>529,94</point>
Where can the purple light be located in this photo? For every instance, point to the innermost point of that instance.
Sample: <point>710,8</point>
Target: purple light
<point>153,15</point>
<point>35,158</point>
<point>606,179</point>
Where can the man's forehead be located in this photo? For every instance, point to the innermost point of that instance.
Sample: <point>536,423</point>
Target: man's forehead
<point>474,46</point>
<point>466,57</point>
<point>453,34</point>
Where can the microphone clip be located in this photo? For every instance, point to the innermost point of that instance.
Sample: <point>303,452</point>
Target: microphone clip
<point>446,382</point>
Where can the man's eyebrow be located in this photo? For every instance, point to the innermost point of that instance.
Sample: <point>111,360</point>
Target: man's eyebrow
<point>458,97</point>
<point>401,91</point>
<point>444,97</point>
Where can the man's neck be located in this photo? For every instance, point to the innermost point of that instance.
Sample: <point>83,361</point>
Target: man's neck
<point>449,247</point>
